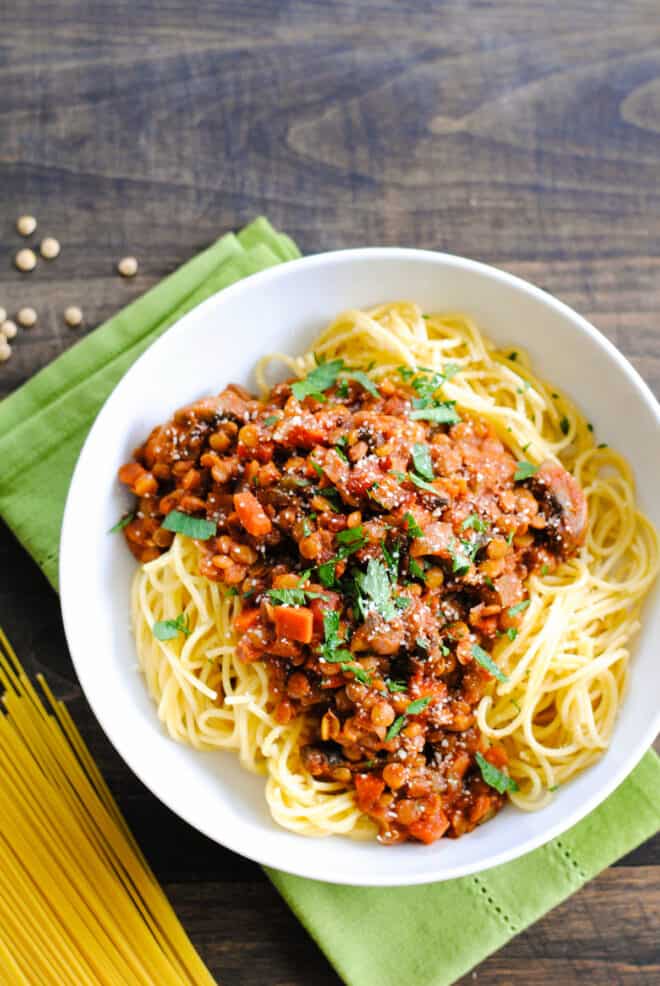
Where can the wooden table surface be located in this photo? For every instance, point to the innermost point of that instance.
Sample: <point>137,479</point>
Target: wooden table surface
<point>525,133</point>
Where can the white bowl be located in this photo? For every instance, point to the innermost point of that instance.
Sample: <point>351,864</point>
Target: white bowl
<point>220,341</point>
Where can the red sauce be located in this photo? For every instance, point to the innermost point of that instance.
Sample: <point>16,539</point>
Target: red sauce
<point>366,592</point>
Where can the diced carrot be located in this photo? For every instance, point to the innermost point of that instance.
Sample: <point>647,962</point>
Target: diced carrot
<point>497,756</point>
<point>368,789</point>
<point>294,623</point>
<point>433,826</point>
<point>245,619</point>
<point>130,472</point>
<point>251,514</point>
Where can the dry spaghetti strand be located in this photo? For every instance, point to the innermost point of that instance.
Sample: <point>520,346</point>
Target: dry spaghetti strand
<point>78,902</point>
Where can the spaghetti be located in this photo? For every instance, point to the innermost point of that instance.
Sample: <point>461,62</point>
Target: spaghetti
<point>79,905</point>
<point>563,659</point>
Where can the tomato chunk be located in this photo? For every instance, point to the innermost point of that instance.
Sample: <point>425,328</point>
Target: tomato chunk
<point>368,789</point>
<point>245,619</point>
<point>251,514</point>
<point>294,623</point>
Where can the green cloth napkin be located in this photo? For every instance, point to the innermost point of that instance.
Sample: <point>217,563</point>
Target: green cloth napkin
<point>426,935</point>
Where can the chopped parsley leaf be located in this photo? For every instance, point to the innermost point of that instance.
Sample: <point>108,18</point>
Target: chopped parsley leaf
<point>375,590</point>
<point>515,705</point>
<point>485,660</point>
<point>360,377</point>
<point>272,419</point>
<point>292,597</point>
<point>396,686</point>
<point>412,527</point>
<point>421,456</point>
<point>494,777</point>
<point>405,372</point>
<point>555,787</point>
<point>602,445</point>
<point>169,629</point>
<point>519,607</point>
<point>318,380</point>
<point>122,522</point>
<point>544,570</point>
<point>316,467</point>
<point>462,555</point>
<point>331,649</point>
<point>422,643</point>
<point>416,570</point>
<point>402,602</point>
<point>565,425</point>
<point>524,470</point>
<point>306,529</point>
<point>590,427</point>
<point>475,522</point>
<point>443,413</point>
<point>513,357</point>
<point>192,527</point>
<point>359,673</point>
<point>350,535</point>
<point>417,706</point>
<point>395,728</point>
<point>342,389</point>
<point>423,485</point>
<point>342,455</point>
<point>512,633</point>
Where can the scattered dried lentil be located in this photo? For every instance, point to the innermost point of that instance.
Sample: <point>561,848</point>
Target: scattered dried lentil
<point>73,316</point>
<point>26,225</point>
<point>26,260</point>
<point>50,248</point>
<point>8,329</point>
<point>27,317</point>
<point>127,267</point>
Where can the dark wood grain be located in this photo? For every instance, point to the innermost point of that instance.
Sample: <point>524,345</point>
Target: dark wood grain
<point>525,133</point>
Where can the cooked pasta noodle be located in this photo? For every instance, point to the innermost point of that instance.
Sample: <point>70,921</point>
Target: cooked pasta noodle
<point>79,905</point>
<point>567,666</point>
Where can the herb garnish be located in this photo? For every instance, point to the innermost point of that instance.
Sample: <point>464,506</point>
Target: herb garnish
<point>524,470</point>
<point>494,777</point>
<point>169,629</point>
<point>292,597</point>
<point>475,522</point>
<point>360,377</point>
<point>351,535</point>
<point>412,527</point>
<point>396,686</point>
<point>122,522</point>
<point>418,705</point>
<point>272,419</point>
<point>416,570</point>
<point>484,659</point>
<point>360,674</point>
<point>423,485</point>
<point>463,555</point>
<point>421,456</point>
<point>512,633</point>
<point>192,527</point>
<point>565,425</point>
<point>395,728</point>
<point>331,648</point>
<point>442,413</point>
<point>519,607</point>
<point>375,590</point>
<point>317,380</point>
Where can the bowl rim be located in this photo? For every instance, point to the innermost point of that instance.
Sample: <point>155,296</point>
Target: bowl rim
<point>67,596</point>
